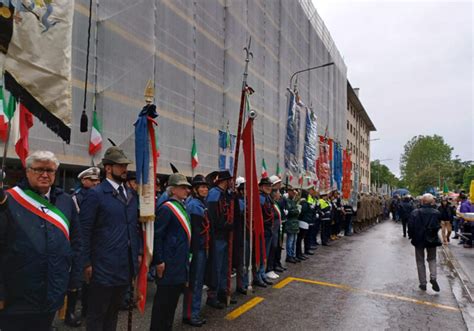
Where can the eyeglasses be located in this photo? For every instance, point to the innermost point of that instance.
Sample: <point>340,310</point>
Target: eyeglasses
<point>40,171</point>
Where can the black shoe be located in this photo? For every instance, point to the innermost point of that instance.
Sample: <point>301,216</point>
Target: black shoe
<point>72,320</point>
<point>259,283</point>
<point>215,304</point>
<point>266,281</point>
<point>422,287</point>
<point>193,322</point>
<point>241,290</point>
<point>223,299</point>
<point>325,244</point>
<point>435,285</point>
<point>290,260</point>
<point>297,260</point>
<point>280,266</point>
<point>302,257</point>
<point>309,253</point>
<point>456,237</point>
<point>278,269</point>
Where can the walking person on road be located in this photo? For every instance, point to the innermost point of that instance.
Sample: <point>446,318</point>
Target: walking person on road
<point>423,230</point>
<point>446,217</point>
<point>404,212</point>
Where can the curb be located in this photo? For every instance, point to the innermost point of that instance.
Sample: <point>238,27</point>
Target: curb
<point>460,273</point>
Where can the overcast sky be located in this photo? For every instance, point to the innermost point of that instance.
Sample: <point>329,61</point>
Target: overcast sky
<point>413,63</point>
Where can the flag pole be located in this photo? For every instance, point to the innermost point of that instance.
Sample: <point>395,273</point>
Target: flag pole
<point>5,152</point>
<point>245,89</point>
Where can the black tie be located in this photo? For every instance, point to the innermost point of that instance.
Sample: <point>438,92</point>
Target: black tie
<point>121,193</point>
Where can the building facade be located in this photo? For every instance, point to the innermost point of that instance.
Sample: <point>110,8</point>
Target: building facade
<point>193,53</point>
<point>358,129</point>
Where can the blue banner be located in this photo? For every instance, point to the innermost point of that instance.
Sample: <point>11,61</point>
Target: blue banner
<point>226,151</point>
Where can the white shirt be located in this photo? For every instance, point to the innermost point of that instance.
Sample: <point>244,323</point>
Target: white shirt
<point>116,186</point>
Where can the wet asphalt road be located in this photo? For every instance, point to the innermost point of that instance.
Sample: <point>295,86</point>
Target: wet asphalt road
<point>379,261</point>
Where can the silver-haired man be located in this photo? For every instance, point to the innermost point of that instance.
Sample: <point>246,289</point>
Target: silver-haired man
<point>40,247</point>
<point>423,227</point>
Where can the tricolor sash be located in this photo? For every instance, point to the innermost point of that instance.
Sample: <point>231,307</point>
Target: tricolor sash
<point>277,209</point>
<point>181,215</point>
<point>41,207</point>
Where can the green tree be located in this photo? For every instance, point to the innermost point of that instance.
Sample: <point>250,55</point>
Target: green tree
<point>468,176</point>
<point>381,174</point>
<point>425,161</point>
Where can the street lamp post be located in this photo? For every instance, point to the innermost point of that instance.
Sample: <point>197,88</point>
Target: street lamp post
<point>308,69</point>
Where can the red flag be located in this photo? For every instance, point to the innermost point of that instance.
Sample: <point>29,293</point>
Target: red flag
<point>21,123</point>
<point>253,203</point>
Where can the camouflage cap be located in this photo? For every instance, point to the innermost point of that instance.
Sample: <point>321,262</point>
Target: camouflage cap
<point>115,155</point>
<point>178,180</point>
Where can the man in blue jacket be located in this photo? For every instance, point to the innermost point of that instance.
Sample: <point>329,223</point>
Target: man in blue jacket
<point>40,247</point>
<point>111,241</point>
<point>171,252</point>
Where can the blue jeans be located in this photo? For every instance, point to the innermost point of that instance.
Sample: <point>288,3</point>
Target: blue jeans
<point>291,245</point>
<point>193,293</point>
<point>268,245</point>
<point>219,269</point>
<point>456,225</point>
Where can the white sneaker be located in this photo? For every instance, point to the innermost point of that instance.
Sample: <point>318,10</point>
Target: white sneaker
<point>272,275</point>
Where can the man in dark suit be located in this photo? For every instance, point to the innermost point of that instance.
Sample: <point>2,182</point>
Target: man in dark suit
<point>171,252</point>
<point>40,247</point>
<point>111,241</point>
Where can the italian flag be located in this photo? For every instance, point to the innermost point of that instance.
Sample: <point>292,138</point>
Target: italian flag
<point>95,143</point>
<point>278,170</point>
<point>6,113</point>
<point>264,169</point>
<point>194,155</point>
<point>21,122</point>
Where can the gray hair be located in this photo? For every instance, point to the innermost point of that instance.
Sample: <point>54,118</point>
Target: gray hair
<point>41,156</point>
<point>427,199</point>
<point>168,191</point>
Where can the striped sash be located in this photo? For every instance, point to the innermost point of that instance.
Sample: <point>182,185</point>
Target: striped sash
<point>41,207</point>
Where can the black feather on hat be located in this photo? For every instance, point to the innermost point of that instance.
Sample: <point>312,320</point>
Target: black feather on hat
<point>173,168</point>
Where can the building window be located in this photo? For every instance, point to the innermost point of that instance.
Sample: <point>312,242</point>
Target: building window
<point>347,124</point>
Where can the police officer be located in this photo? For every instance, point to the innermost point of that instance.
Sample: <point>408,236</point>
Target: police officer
<point>325,210</point>
<point>171,252</point>
<point>218,203</point>
<point>109,220</point>
<point>40,247</point>
<point>197,211</point>
<point>89,178</point>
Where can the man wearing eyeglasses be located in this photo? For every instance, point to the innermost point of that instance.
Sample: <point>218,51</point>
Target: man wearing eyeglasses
<point>109,223</point>
<point>40,247</point>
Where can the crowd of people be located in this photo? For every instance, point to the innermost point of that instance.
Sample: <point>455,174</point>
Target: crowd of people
<point>425,218</point>
<point>90,243</point>
<point>452,216</point>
